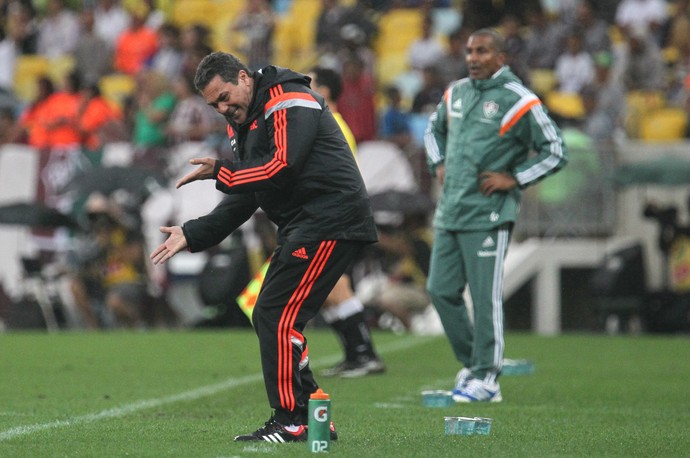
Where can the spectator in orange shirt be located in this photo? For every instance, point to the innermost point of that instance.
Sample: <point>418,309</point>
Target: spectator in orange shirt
<point>137,45</point>
<point>30,120</point>
<point>98,122</point>
<point>60,115</point>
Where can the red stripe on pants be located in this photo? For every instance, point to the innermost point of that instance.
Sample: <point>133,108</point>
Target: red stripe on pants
<point>287,321</point>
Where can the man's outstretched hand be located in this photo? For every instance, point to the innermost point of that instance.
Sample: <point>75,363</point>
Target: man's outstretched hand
<point>203,172</point>
<point>175,243</point>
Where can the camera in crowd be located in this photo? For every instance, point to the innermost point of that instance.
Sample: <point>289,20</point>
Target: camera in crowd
<point>670,227</point>
<point>665,216</point>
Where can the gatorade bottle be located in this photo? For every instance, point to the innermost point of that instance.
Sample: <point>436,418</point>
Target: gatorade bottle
<point>319,431</point>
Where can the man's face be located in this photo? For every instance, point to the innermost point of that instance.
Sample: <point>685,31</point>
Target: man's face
<point>230,100</point>
<point>483,60</point>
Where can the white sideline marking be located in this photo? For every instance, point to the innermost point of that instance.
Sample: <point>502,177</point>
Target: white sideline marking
<point>191,395</point>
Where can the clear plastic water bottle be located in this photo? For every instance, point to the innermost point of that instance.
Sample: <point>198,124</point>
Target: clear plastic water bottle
<point>319,426</point>
<point>517,367</point>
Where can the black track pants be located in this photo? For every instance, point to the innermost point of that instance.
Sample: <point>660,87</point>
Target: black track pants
<point>298,280</point>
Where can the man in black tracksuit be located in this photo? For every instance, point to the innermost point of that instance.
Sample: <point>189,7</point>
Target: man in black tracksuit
<point>292,161</point>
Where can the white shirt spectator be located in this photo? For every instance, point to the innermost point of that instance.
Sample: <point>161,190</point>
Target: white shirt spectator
<point>649,14</point>
<point>110,20</point>
<point>574,71</point>
<point>575,67</point>
<point>8,59</point>
<point>58,33</point>
<point>425,51</point>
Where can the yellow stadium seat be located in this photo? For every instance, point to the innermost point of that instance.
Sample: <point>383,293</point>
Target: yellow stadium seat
<point>671,55</point>
<point>117,87</point>
<point>28,69</point>
<point>222,37</point>
<point>565,104</point>
<point>398,28</point>
<point>615,34</point>
<point>306,10</point>
<point>294,43</point>
<point>225,14</point>
<point>165,6</point>
<point>60,67</point>
<point>638,105</point>
<point>390,66</point>
<point>285,47</point>
<point>664,124</point>
<point>304,14</point>
<point>542,81</point>
<point>645,100</point>
<point>186,12</point>
<point>33,63</point>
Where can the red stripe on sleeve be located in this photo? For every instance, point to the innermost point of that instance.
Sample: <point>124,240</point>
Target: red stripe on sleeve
<point>506,127</point>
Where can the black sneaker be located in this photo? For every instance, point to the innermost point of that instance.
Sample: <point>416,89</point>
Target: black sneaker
<point>335,370</point>
<point>334,433</point>
<point>273,431</point>
<point>357,368</point>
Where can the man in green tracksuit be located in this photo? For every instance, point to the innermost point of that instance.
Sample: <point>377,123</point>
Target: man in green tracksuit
<point>478,146</point>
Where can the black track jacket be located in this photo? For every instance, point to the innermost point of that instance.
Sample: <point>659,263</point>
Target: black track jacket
<point>292,161</point>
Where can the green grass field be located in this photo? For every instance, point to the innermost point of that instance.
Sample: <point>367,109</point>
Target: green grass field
<point>186,394</point>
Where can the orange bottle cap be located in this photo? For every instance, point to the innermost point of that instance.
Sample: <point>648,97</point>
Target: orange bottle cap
<point>320,395</point>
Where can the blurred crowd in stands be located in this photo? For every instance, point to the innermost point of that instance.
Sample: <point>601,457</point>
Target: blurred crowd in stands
<point>94,84</point>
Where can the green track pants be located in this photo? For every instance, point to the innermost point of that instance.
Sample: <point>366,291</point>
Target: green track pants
<point>475,260</point>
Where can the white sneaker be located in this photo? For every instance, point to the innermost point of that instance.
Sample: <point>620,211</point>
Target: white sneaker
<point>476,390</point>
<point>461,379</point>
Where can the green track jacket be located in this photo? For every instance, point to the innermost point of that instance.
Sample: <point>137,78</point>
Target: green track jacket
<point>493,125</point>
